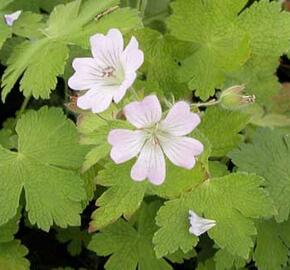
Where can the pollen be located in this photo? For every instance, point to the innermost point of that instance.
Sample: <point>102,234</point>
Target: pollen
<point>108,72</point>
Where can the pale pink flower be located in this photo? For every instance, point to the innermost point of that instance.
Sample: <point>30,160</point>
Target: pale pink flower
<point>199,225</point>
<point>109,73</point>
<point>11,18</point>
<point>155,137</point>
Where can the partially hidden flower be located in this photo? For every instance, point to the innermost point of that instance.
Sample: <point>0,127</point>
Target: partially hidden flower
<point>199,225</point>
<point>155,137</point>
<point>109,73</point>
<point>233,98</point>
<point>11,18</point>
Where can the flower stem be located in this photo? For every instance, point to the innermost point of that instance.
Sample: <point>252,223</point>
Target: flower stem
<point>24,105</point>
<point>206,104</point>
<point>134,93</point>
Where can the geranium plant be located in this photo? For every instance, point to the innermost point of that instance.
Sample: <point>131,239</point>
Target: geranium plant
<point>149,135</point>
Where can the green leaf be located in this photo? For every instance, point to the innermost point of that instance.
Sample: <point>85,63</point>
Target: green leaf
<point>218,169</point>
<point>67,19</point>
<point>161,62</point>
<point>76,21</point>
<point>221,45</point>
<point>12,256</point>
<point>264,23</point>
<point>174,232</point>
<point>273,243</point>
<point>5,3</point>
<point>226,261</point>
<point>8,139</point>
<point>28,25</point>
<point>233,201</point>
<point>268,155</point>
<point>8,47</point>
<point>49,5</point>
<point>124,195</point>
<point>222,128</point>
<point>31,5</point>
<point>272,120</point>
<point>45,167</point>
<point>130,246</point>
<point>5,32</point>
<point>75,239</point>
<point>179,181</point>
<point>94,131</point>
<point>125,19</point>
<point>207,265</point>
<point>155,13</point>
<point>8,230</point>
<point>11,251</point>
<point>260,117</point>
<point>89,178</point>
<point>179,256</point>
<point>41,62</point>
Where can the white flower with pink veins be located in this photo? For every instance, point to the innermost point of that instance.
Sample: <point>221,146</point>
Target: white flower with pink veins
<point>109,73</point>
<point>155,137</point>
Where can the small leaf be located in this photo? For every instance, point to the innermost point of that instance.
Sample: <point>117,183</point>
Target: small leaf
<point>12,256</point>
<point>75,239</point>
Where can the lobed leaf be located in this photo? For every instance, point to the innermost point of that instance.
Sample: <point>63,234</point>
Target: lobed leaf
<point>45,168</point>
<point>268,155</point>
<point>233,201</point>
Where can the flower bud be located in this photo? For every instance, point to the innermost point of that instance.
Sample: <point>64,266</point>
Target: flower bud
<point>233,98</point>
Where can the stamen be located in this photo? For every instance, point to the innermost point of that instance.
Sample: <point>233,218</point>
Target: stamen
<point>108,72</point>
<point>153,133</point>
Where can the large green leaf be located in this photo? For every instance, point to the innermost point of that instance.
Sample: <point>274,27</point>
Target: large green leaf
<point>268,155</point>
<point>233,201</point>
<point>221,46</point>
<point>45,168</point>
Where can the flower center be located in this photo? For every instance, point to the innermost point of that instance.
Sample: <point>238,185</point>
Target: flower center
<point>154,134</point>
<point>115,75</point>
<point>108,72</point>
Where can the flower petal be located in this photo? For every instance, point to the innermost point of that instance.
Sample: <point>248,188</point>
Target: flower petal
<point>199,225</point>
<point>144,113</point>
<point>126,144</point>
<point>150,164</point>
<point>126,84</point>
<point>107,49</point>
<point>181,151</point>
<point>86,76</point>
<point>11,18</point>
<point>132,57</point>
<point>116,39</point>
<point>180,120</point>
<point>96,100</point>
